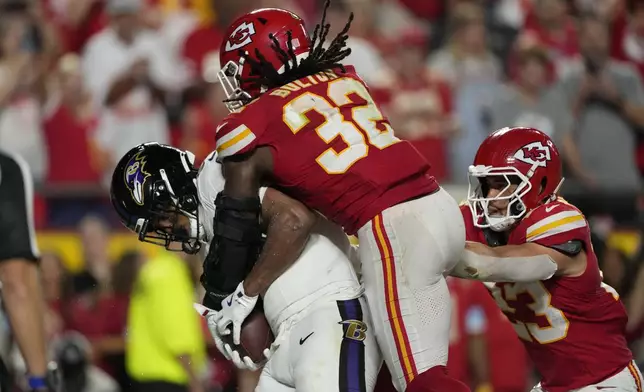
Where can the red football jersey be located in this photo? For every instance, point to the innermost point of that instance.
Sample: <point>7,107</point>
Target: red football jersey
<point>573,327</point>
<point>332,147</point>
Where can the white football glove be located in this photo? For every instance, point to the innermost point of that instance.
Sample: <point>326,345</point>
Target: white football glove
<point>243,363</point>
<point>234,310</point>
<point>211,317</point>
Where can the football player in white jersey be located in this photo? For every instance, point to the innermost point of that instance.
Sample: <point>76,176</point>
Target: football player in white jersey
<point>315,306</point>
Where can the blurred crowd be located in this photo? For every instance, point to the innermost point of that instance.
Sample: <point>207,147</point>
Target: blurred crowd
<point>82,81</point>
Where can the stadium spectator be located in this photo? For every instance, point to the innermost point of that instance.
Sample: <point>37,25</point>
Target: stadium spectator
<point>392,20</point>
<point>77,21</point>
<point>165,343</point>
<point>72,352</point>
<point>204,41</point>
<point>429,10</point>
<point>125,68</point>
<point>201,44</point>
<point>628,36</point>
<point>364,56</point>
<point>512,13</point>
<point>70,119</point>
<point>420,104</point>
<point>628,45</point>
<point>465,58</point>
<point>204,110</point>
<point>528,102</point>
<point>607,100</point>
<point>97,275</point>
<point>108,349</point>
<point>474,73</point>
<point>52,277</point>
<point>20,79</point>
<point>171,26</point>
<point>551,26</point>
<point>95,308</point>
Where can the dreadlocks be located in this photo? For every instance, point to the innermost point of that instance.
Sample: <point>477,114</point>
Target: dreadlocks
<point>263,74</point>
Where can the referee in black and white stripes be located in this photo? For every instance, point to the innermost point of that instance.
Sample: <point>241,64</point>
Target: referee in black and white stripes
<point>21,292</point>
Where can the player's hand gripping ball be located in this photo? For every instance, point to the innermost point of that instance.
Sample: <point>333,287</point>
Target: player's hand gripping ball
<point>234,310</point>
<point>256,339</point>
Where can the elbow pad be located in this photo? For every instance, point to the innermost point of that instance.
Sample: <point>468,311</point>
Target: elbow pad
<point>234,248</point>
<point>504,269</point>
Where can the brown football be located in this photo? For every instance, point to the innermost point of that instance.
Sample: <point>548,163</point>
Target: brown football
<point>256,335</point>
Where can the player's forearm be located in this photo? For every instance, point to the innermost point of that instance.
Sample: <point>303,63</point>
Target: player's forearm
<point>286,237</point>
<point>488,264</point>
<point>24,304</point>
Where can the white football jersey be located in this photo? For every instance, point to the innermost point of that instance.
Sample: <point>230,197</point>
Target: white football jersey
<point>322,273</point>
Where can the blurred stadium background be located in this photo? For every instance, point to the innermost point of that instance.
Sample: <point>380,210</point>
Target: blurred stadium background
<point>82,81</point>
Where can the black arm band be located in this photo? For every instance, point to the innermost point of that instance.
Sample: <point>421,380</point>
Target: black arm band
<point>570,248</point>
<point>235,246</point>
<point>212,299</point>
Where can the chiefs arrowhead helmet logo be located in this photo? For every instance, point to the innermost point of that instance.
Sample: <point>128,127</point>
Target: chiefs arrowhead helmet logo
<point>241,36</point>
<point>535,153</point>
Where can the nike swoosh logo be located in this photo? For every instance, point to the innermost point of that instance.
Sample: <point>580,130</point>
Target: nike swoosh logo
<point>302,340</point>
<point>221,126</point>
<point>548,209</point>
<point>230,301</point>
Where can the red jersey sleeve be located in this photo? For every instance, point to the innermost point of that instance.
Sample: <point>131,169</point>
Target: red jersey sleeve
<point>240,132</point>
<point>552,224</point>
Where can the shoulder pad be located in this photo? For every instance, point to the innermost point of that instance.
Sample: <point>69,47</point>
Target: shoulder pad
<point>233,138</point>
<point>557,221</point>
<point>239,132</point>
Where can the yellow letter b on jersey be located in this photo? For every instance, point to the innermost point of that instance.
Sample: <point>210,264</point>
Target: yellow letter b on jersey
<point>356,330</point>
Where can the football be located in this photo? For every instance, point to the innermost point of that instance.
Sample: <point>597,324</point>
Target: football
<point>256,335</point>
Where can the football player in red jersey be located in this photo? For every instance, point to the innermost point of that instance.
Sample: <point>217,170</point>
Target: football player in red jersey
<point>537,248</point>
<point>307,125</point>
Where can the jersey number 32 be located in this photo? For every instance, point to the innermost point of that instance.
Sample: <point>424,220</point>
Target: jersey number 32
<point>365,128</point>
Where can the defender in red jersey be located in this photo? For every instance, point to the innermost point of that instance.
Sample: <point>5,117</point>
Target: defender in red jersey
<point>571,323</point>
<point>307,125</point>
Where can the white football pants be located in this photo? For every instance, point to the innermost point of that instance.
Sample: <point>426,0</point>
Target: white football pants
<point>331,349</point>
<point>404,251</point>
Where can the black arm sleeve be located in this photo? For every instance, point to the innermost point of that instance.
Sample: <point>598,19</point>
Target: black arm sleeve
<point>570,248</point>
<point>17,235</point>
<point>234,248</point>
